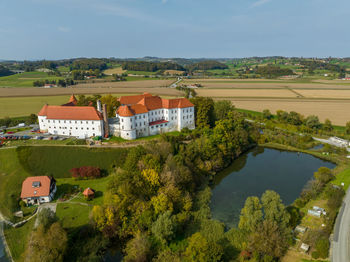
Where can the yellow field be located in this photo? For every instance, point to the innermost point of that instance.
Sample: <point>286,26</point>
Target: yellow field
<point>335,110</point>
<point>117,70</point>
<point>245,93</point>
<point>174,72</point>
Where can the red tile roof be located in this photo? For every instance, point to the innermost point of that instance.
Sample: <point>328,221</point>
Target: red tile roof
<point>131,104</point>
<point>70,112</point>
<point>124,111</point>
<point>72,101</point>
<point>43,190</point>
<point>158,122</point>
<point>88,192</point>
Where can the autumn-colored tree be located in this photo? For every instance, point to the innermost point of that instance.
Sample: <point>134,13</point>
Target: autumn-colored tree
<point>197,249</point>
<point>47,245</point>
<point>138,249</point>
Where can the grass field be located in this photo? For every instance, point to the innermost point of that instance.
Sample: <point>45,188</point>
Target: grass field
<point>57,161</point>
<point>72,215</point>
<point>25,79</point>
<point>23,106</point>
<point>17,239</point>
<point>11,176</point>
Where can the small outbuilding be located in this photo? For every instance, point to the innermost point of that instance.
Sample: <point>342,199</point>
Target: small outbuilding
<point>89,193</point>
<point>305,247</point>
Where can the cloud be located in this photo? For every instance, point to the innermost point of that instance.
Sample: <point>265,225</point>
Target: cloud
<point>260,3</point>
<point>64,29</point>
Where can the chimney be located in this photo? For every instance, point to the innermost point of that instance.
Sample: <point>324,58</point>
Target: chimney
<point>105,120</point>
<point>99,107</point>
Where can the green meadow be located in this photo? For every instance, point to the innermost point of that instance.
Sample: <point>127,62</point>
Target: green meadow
<point>25,79</point>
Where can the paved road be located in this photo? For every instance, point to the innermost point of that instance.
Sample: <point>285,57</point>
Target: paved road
<point>341,243</point>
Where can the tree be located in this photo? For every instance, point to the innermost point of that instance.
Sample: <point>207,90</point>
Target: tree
<point>163,228</point>
<point>197,249</point>
<point>268,240</point>
<point>112,104</point>
<point>46,217</point>
<point>324,175</point>
<point>168,256</point>
<point>47,245</point>
<point>138,249</point>
<point>274,209</point>
<point>251,215</point>
<point>221,109</point>
<point>347,127</point>
<point>313,122</point>
<point>328,125</point>
<point>267,114</point>
<point>204,111</point>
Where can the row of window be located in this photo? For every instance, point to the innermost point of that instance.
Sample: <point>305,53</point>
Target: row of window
<point>64,121</point>
<point>71,128</point>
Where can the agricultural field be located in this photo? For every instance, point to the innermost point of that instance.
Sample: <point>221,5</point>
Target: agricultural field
<point>25,79</point>
<point>23,106</point>
<point>324,98</point>
<point>116,70</point>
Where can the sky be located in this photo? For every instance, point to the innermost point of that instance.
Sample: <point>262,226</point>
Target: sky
<point>58,29</point>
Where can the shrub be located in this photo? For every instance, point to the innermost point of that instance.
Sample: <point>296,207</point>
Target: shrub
<point>315,255</point>
<point>86,172</point>
<point>322,247</point>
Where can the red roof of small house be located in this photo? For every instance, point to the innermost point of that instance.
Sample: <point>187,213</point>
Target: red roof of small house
<point>70,112</point>
<point>36,186</point>
<point>88,192</point>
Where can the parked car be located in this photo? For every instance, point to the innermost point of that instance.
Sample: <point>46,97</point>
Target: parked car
<point>10,132</point>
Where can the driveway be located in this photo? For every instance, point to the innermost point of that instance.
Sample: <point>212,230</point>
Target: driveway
<point>340,245</point>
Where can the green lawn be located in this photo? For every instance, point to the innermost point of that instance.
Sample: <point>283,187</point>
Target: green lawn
<point>343,177</point>
<point>11,176</point>
<point>57,161</point>
<point>73,215</point>
<point>25,79</point>
<point>99,185</point>
<point>24,106</point>
<point>17,239</point>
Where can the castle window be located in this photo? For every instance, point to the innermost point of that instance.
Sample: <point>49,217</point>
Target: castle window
<point>75,121</point>
<point>127,134</point>
<point>64,121</point>
<point>87,122</point>
<point>76,128</point>
<point>143,116</point>
<point>59,121</point>
<point>70,122</point>
<point>123,127</point>
<point>122,120</point>
<point>49,121</point>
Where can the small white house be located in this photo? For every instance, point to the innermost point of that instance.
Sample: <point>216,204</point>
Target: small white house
<point>38,189</point>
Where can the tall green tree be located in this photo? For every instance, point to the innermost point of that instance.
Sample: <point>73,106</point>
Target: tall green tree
<point>222,108</point>
<point>204,111</point>
<point>251,215</point>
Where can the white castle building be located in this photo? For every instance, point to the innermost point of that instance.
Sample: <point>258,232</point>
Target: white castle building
<point>71,120</point>
<point>138,116</point>
<point>145,115</point>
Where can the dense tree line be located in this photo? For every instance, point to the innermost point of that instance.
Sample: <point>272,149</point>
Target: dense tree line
<point>272,71</point>
<point>315,64</point>
<point>9,122</point>
<point>61,82</point>
<point>206,65</point>
<point>150,66</point>
<point>82,74</point>
<point>89,63</point>
<point>4,71</point>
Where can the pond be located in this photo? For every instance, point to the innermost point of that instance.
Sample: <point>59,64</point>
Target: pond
<point>257,171</point>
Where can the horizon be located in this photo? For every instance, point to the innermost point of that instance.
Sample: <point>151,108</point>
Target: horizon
<point>53,29</point>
